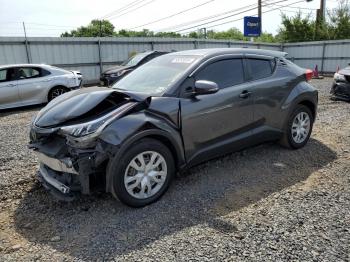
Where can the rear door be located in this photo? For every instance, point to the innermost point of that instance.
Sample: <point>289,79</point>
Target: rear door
<point>269,89</point>
<point>33,84</point>
<point>216,123</point>
<point>9,95</point>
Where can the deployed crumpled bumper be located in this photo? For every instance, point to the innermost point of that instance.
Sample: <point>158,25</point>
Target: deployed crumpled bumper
<point>63,170</point>
<point>341,89</point>
<point>61,176</point>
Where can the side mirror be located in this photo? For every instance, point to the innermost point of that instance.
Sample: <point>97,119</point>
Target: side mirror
<point>204,87</point>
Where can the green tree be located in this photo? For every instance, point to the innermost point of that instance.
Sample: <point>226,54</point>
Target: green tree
<point>339,21</point>
<point>296,28</point>
<point>232,33</point>
<point>94,29</point>
<point>266,37</point>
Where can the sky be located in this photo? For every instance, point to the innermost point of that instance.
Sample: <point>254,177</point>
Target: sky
<point>51,18</point>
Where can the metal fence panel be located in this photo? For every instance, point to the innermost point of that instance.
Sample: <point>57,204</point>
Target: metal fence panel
<point>93,55</point>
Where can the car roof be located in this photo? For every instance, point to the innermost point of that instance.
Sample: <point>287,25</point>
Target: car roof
<point>227,51</point>
<point>24,65</point>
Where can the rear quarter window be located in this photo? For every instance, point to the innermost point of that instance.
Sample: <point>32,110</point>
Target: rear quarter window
<point>261,68</point>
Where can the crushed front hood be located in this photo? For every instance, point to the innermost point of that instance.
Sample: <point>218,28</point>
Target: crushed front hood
<point>115,69</point>
<point>82,104</point>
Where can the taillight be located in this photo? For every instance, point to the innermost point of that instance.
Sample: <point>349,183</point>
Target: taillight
<point>308,74</point>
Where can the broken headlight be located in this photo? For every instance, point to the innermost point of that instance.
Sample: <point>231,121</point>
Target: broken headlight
<point>87,131</point>
<point>117,74</point>
<point>339,77</point>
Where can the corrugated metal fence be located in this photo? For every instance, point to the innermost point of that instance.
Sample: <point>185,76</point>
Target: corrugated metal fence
<point>93,55</point>
<point>327,55</point>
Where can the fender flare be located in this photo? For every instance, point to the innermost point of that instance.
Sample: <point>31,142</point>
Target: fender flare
<point>176,146</point>
<point>305,96</point>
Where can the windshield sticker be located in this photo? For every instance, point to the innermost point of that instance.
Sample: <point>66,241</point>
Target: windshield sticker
<point>183,60</point>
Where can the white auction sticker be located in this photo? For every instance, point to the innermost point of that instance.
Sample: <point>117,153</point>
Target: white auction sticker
<point>183,60</point>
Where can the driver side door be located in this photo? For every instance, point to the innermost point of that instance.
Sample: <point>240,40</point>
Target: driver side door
<point>218,123</point>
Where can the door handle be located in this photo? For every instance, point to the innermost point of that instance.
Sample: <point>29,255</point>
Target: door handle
<point>11,85</point>
<point>245,94</point>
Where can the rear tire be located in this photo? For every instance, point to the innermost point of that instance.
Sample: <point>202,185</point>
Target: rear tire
<point>56,91</point>
<point>143,174</point>
<point>298,129</point>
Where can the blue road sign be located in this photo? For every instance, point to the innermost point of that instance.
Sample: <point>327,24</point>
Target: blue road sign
<point>252,26</point>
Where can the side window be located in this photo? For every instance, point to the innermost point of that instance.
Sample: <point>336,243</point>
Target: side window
<point>45,72</point>
<point>148,58</point>
<point>7,75</point>
<point>225,73</point>
<point>3,75</point>
<point>261,68</point>
<point>28,72</point>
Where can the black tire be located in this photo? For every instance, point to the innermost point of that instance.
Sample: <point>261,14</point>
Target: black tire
<point>117,169</point>
<point>53,92</point>
<point>287,139</point>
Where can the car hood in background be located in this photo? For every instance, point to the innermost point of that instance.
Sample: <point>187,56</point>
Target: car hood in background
<point>83,104</point>
<point>116,69</point>
<point>345,71</point>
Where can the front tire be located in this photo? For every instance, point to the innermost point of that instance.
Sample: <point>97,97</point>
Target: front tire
<point>299,128</point>
<point>143,173</point>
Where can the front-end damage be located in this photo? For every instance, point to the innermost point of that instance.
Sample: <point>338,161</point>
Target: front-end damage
<point>75,140</point>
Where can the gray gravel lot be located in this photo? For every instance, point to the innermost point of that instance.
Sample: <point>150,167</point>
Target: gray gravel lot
<point>264,203</point>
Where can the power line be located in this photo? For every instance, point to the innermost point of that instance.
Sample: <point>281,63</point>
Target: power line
<point>170,16</point>
<point>205,18</point>
<point>122,8</point>
<point>255,14</point>
<point>130,10</point>
<point>297,7</point>
<point>226,17</point>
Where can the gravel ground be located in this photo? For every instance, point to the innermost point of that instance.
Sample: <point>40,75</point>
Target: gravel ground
<point>264,203</point>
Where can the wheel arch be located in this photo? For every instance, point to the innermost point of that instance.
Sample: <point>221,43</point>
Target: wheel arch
<point>174,146</point>
<point>53,87</point>
<point>309,104</point>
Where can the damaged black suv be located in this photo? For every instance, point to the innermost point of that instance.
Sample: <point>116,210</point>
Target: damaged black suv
<point>174,112</point>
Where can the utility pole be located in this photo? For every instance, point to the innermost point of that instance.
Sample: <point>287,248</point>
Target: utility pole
<point>323,9</point>
<point>26,42</point>
<point>259,14</point>
<point>100,28</point>
<point>204,32</point>
<point>24,29</point>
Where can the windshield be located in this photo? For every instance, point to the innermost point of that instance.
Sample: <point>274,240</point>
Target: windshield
<point>134,60</point>
<point>156,76</point>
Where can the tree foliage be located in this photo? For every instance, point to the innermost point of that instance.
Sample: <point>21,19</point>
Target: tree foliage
<point>339,21</point>
<point>297,28</point>
<point>94,29</point>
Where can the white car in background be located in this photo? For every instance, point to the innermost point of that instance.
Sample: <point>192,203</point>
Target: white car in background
<point>29,84</point>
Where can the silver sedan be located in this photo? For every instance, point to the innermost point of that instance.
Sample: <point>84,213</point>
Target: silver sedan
<point>29,84</point>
